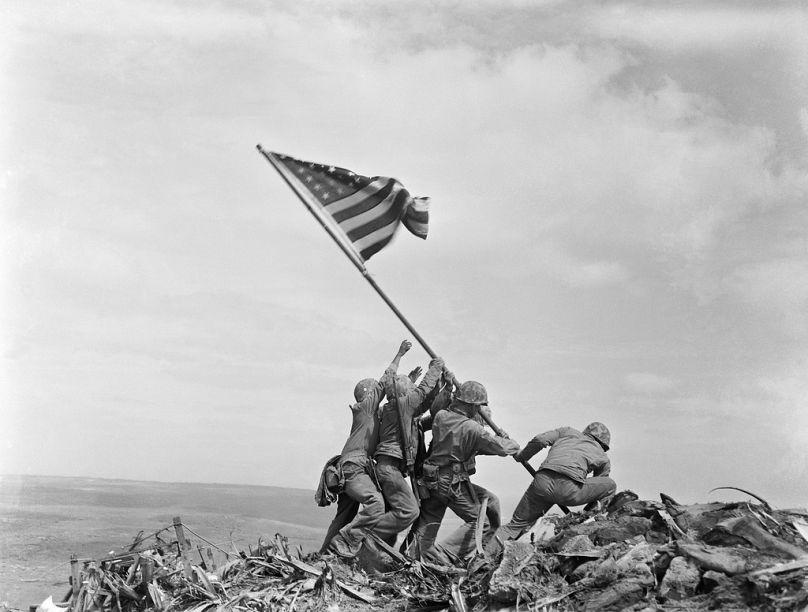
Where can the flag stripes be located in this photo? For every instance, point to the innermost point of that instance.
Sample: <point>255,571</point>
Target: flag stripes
<point>368,211</point>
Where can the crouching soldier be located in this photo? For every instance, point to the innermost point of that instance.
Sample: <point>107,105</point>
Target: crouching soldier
<point>562,478</point>
<point>347,530</point>
<point>457,437</point>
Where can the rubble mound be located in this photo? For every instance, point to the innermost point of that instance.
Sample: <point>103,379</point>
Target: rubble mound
<point>645,555</point>
<point>631,555</point>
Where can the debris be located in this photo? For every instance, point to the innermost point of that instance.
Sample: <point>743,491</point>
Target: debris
<point>680,580</point>
<point>757,497</point>
<point>49,606</point>
<point>633,554</point>
<point>802,528</point>
<point>480,527</point>
<point>749,531</point>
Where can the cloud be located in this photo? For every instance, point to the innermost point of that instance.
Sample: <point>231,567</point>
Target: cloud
<point>595,214</point>
<point>778,287</point>
<point>558,263</point>
<point>648,383</point>
<point>698,26</point>
<point>157,21</point>
<point>804,121</point>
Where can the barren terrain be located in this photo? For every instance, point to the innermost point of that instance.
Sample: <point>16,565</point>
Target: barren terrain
<point>43,520</point>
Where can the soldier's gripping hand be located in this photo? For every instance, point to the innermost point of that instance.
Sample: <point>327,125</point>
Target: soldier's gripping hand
<point>437,362</point>
<point>406,345</point>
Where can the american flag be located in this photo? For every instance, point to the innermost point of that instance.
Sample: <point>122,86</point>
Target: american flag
<point>368,210</point>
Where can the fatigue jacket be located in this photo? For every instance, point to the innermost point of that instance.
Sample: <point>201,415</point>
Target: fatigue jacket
<point>364,436</point>
<point>572,453</point>
<point>391,438</point>
<point>456,439</point>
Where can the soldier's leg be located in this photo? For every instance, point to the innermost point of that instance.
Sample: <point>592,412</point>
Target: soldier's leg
<point>360,487</point>
<point>346,511</point>
<point>461,542</point>
<point>537,499</point>
<point>403,507</point>
<point>428,523</point>
<point>572,493</point>
<point>492,511</point>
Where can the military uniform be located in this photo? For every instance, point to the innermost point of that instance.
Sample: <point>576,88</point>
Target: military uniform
<point>357,470</point>
<point>456,440</point>
<point>562,478</point>
<point>391,461</point>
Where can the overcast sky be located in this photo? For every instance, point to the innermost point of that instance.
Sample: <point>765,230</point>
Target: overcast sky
<point>619,232</point>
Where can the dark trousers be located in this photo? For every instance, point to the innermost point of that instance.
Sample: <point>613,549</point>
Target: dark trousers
<point>400,500</point>
<point>360,489</point>
<point>346,511</point>
<point>550,488</point>
<point>464,499</point>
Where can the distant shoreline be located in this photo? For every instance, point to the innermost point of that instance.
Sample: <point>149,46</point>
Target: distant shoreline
<point>4,475</point>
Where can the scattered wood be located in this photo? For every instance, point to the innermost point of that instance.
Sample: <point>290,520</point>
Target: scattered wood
<point>757,497</point>
<point>783,567</point>
<point>638,555</point>
<point>480,527</point>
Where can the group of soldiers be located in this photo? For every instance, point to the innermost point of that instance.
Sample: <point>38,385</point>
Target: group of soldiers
<point>387,446</point>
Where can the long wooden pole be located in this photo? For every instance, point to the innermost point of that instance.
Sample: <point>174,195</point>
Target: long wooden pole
<point>350,254</point>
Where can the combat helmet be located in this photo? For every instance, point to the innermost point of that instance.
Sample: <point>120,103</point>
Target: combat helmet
<point>363,386</point>
<point>600,432</point>
<point>399,383</point>
<point>472,392</point>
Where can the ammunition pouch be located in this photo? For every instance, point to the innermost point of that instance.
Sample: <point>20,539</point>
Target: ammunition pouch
<point>429,476</point>
<point>459,472</point>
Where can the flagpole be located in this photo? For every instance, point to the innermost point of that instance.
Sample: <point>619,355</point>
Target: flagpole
<point>350,254</point>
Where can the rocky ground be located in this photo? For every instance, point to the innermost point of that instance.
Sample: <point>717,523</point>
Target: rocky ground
<point>631,555</point>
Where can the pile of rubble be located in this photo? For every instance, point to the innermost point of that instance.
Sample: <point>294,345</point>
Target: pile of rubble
<point>644,555</point>
<point>630,555</point>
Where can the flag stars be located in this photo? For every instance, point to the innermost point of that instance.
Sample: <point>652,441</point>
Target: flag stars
<point>309,178</point>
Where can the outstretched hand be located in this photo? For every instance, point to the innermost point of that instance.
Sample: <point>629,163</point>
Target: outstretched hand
<point>415,374</point>
<point>406,345</point>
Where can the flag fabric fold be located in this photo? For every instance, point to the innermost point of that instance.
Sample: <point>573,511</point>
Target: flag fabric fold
<point>368,210</point>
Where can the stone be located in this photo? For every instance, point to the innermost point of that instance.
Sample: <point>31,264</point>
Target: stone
<point>579,546</point>
<point>712,579</point>
<point>680,580</point>
<point>621,529</point>
<point>618,596</point>
<point>730,561</point>
<point>642,553</point>
<point>505,583</point>
<point>605,573</point>
<point>583,571</point>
